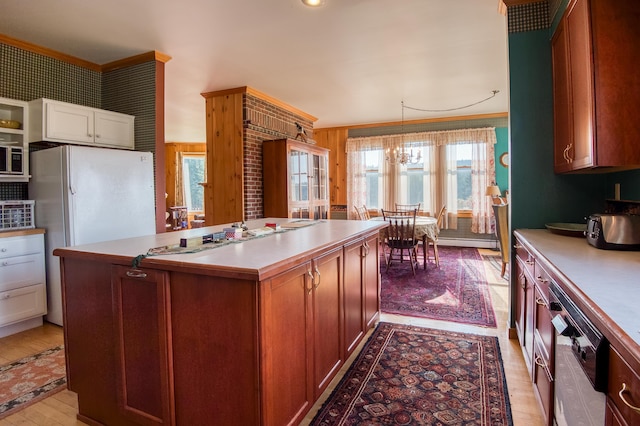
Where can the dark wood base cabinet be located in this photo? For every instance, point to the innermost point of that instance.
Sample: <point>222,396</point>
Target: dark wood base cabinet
<point>178,346</point>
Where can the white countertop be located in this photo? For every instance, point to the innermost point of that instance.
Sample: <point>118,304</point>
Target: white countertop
<point>607,278</point>
<point>256,256</point>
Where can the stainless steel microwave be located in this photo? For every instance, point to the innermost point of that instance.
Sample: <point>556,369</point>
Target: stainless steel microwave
<point>11,160</point>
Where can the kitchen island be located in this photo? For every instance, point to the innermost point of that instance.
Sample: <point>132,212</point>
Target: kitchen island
<point>245,333</point>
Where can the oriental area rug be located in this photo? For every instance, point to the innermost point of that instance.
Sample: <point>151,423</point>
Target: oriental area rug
<point>457,290</point>
<point>408,375</point>
<point>31,379</point>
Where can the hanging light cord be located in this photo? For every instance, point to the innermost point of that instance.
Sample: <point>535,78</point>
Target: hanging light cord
<point>495,92</point>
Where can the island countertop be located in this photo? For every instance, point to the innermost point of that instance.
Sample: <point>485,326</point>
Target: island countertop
<point>607,282</point>
<point>255,258</point>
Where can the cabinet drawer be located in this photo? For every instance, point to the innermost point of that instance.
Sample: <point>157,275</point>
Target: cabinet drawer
<point>622,376</point>
<point>21,304</point>
<point>543,279</point>
<point>528,261</point>
<point>21,271</point>
<point>545,332</point>
<point>17,246</point>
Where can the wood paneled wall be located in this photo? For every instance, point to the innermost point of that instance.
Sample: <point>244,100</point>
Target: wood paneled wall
<point>335,139</point>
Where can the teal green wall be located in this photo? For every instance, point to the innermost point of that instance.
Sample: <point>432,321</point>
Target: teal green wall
<point>502,145</point>
<point>629,184</point>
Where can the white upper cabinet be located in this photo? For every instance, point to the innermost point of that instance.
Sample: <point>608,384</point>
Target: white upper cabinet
<point>56,121</point>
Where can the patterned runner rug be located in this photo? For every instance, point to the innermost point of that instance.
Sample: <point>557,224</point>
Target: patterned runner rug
<point>419,376</point>
<point>31,379</point>
<point>456,291</point>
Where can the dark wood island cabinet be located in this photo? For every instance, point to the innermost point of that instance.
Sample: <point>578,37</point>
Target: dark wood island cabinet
<point>250,333</point>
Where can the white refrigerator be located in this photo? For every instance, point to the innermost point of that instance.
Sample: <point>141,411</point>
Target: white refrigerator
<point>85,195</point>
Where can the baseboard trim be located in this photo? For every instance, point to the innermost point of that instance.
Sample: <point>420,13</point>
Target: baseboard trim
<point>489,244</point>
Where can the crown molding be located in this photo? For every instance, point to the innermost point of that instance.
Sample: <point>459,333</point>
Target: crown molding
<point>126,62</point>
<point>30,47</point>
<point>250,91</point>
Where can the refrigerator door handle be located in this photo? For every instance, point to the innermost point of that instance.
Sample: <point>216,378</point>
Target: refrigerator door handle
<point>72,190</point>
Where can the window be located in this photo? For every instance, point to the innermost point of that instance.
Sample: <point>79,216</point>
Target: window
<point>193,173</point>
<point>373,178</point>
<point>463,176</point>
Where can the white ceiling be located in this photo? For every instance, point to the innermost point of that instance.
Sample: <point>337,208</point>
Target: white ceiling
<point>348,62</point>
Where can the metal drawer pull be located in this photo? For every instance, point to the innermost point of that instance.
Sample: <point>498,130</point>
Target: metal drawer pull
<point>517,246</point>
<point>540,301</point>
<point>136,273</point>
<point>540,363</point>
<point>623,390</point>
<point>318,283</point>
<point>310,289</point>
<point>542,280</point>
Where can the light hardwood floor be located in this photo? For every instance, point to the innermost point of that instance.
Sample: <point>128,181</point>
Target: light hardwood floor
<point>62,407</point>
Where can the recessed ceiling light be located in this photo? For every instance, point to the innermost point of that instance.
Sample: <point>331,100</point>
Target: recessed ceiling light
<point>313,3</point>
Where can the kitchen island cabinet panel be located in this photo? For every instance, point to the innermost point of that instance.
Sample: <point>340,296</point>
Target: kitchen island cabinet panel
<point>220,337</point>
<point>143,358</point>
<point>327,318</point>
<point>288,358</point>
<point>371,281</point>
<point>353,295</point>
<point>89,339</point>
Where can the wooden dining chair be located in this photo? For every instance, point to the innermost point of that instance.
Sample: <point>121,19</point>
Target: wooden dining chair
<point>502,233</point>
<point>400,237</point>
<point>408,207</point>
<point>362,212</point>
<point>433,242</point>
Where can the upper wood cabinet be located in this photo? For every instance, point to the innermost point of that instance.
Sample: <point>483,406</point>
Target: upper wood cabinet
<point>296,179</point>
<point>62,122</point>
<point>596,93</point>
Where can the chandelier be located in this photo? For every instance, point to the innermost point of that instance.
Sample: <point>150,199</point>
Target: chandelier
<point>399,154</point>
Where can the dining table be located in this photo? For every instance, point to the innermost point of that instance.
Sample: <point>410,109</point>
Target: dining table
<point>426,228</point>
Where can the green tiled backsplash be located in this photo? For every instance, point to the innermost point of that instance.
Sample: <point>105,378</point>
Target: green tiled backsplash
<point>26,75</point>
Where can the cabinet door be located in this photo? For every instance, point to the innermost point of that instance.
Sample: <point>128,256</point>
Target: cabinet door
<point>298,175</point>
<point>287,381</point>
<point>371,281</point>
<point>114,130</point>
<point>353,295</point>
<point>69,123</point>
<point>543,383</point>
<point>327,318</point>
<point>521,300</point>
<point>578,29</point>
<point>143,353</point>
<point>562,120</point>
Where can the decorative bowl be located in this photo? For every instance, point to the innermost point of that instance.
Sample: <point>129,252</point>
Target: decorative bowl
<point>568,229</point>
<point>10,124</point>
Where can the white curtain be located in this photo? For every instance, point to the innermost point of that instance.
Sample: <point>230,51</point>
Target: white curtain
<point>483,173</point>
<point>440,166</point>
<point>356,182</point>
